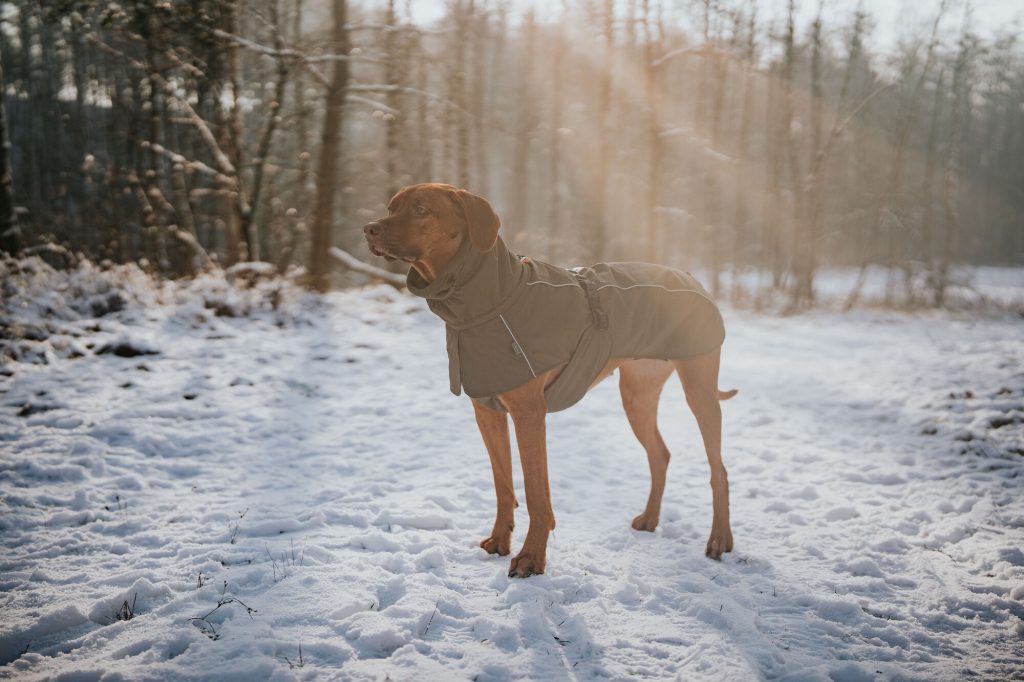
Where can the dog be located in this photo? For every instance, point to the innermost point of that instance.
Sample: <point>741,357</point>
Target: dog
<point>526,338</point>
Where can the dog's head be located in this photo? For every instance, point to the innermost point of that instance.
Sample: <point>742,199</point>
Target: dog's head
<point>429,222</point>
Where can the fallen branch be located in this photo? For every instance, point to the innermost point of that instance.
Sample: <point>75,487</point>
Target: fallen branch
<point>353,263</point>
<point>55,249</point>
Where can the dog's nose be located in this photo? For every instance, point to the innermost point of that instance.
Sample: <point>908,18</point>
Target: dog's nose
<point>371,229</point>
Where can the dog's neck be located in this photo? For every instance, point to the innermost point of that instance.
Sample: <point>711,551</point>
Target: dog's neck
<point>428,267</point>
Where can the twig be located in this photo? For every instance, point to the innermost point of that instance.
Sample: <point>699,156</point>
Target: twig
<point>431,618</point>
<point>207,628</point>
<point>935,549</point>
<point>273,563</point>
<point>295,665</point>
<point>238,525</point>
<point>126,612</point>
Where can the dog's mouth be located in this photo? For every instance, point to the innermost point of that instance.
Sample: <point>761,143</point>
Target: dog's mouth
<point>380,250</point>
<point>377,251</point>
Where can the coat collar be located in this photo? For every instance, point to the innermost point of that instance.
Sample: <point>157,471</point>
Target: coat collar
<point>450,276</point>
<point>474,286</point>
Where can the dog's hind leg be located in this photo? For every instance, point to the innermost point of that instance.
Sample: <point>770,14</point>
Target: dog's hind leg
<point>700,382</point>
<point>494,429</point>
<point>640,384</point>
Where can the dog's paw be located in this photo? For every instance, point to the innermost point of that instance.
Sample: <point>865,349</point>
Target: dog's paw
<point>719,543</point>
<point>498,544</point>
<point>645,522</point>
<point>526,564</point>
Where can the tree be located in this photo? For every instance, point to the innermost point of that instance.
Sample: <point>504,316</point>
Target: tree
<point>331,148</point>
<point>9,230</point>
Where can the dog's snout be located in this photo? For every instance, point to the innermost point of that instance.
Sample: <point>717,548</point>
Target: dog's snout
<point>372,229</point>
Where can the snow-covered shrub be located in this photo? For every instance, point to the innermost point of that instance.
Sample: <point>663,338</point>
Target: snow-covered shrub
<point>46,313</point>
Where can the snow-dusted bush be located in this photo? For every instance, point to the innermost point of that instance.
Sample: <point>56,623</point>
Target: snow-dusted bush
<point>31,287</point>
<point>46,312</point>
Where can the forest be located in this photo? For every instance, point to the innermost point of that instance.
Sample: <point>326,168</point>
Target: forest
<point>229,444</point>
<point>193,134</point>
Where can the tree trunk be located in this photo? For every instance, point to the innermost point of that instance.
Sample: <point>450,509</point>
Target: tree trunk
<point>927,219</point>
<point>424,136</point>
<point>249,226</point>
<point>10,233</point>
<point>229,132</point>
<point>789,135</point>
<point>464,22</point>
<point>331,148</point>
<point>554,159</point>
<point>741,241</point>
<point>519,216</point>
<point>805,246</point>
<point>596,202</point>
<point>720,73</point>
<point>481,40</point>
<point>394,70</point>
<point>652,96</point>
<point>951,220</point>
<point>772,227</point>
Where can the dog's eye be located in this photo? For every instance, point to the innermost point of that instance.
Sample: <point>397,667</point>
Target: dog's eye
<point>420,210</point>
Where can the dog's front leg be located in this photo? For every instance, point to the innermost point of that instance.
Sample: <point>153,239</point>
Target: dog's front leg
<point>494,430</point>
<point>528,410</point>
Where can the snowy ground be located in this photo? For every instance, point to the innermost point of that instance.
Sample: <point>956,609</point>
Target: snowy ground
<point>301,478</point>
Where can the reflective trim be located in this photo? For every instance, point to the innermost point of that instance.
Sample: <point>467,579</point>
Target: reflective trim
<point>658,286</point>
<point>516,341</point>
<point>540,281</point>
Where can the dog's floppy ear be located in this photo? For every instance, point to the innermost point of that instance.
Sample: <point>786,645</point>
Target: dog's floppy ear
<point>482,222</point>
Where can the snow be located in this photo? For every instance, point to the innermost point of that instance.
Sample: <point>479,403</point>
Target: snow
<point>292,472</point>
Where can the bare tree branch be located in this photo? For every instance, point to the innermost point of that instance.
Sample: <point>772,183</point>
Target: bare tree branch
<point>384,87</point>
<point>293,54</point>
<point>168,88</point>
<point>191,164</point>
<point>373,103</point>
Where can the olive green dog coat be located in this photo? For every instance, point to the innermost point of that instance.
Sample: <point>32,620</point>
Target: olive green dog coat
<point>509,320</point>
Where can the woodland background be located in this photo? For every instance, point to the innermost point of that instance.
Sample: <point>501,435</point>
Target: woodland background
<point>190,134</point>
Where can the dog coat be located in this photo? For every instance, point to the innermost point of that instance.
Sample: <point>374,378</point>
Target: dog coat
<point>510,319</point>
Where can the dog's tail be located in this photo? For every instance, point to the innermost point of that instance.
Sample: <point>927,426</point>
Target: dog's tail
<point>725,395</point>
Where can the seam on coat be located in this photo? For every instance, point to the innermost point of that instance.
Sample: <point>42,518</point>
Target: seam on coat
<point>519,345</point>
<point>658,286</point>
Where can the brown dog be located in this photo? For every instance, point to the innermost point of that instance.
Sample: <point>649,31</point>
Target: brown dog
<point>494,306</point>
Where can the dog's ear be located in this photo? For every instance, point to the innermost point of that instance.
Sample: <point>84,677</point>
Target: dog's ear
<point>482,222</point>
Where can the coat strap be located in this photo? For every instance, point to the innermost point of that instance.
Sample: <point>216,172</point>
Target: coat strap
<point>597,313</point>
